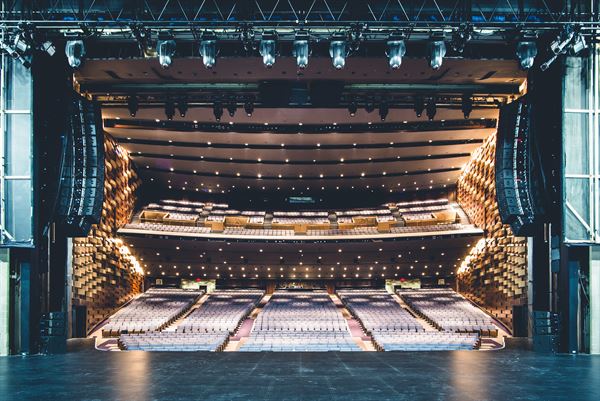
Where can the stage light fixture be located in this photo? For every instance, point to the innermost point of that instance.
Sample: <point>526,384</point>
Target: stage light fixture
<point>352,109</point>
<point>431,109</point>
<point>218,111</point>
<point>12,52</point>
<point>301,49</point>
<point>467,105</point>
<point>396,49</point>
<point>419,106</point>
<point>268,49</point>
<point>563,40</point>
<point>48,47</point>
<point>231,108</point>
<point>208,49</point>
<point>249,108</point>
<point>338,50</point>
<point>579,44</point>
<point>169,109</point>
<point>436,52</point>
<point>75,51</point>
<point>383,110</point>
<point>369,106</point>
<point>526,53</point>
<point>182,106</point>
<point>165,47</point>
<point>460,37</point>
<point>132,105</point>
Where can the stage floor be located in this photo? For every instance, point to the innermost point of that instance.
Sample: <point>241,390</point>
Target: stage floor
<point>363,376</point>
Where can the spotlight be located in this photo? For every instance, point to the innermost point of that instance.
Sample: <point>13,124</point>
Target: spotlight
<point>218,111</point>
<point>231,108</point>
<point>338,50</point>
<point>169,109</point>
<point>352,108</point>
<point>467,105</point>
<point>143,36</point>
<point>48,47</point>
<point>431,109</point>
<point>165,47</point>
<point>579,44</point>
<point>132,105</point>
<point>208,49</point>
<point>396,50</point>
<point>383,110</point>
<point>437,51</point>
<point>301,49</point>
<point>563,39</point>
<point>182,106</point>
<point>419,106</point>
<point>526,52</point>
<point>75,50</point>
<point>12,52</point>
<point>249,108</point>
<point>460,38</point>
<point>267,48</point>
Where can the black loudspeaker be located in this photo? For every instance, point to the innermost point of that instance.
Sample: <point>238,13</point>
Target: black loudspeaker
<point>82,169</point>
<point>53,333</point>
<point>515,182</point>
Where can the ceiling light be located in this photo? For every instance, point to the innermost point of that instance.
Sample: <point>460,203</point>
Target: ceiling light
<point>208,49</point>
<point>182,106</point>
<point>249,108</point>
<point>267,48</point>
<point>132,105</point>
<point>396,49</point>
<point>169,109</point>
<point>301,49</point>
<point>218,111</point>
<point>436,52</point>
<point>431,109</point>
<point>231,108</point>
<point>74,50</point>
<point>165,47</point>
<point>526,52</point>
<point>419,106</point>
<point>467,105</point>
<point>352,109</point>
<point>338,50</point>
<point>383,110</point>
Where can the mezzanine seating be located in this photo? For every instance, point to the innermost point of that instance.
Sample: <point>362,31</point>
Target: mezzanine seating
<point>151,311</point>
<point>449,311</point>
<point>300,321</point>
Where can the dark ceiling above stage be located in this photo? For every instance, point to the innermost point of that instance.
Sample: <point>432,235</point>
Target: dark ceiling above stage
<point>296,147</point>
<point>402,258</point>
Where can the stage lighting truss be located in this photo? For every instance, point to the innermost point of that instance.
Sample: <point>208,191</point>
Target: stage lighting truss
<point>268,48</point>
<point>165,48</point>
<point>396,49</point>
<point>301,48</point>
<point>338,50</point>
<point>208,49</point>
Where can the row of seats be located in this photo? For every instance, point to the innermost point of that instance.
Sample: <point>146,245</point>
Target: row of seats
<point>168,227</point>
<point>393,328</point>
<point>449,311</point>
<point>223,310</point>
<point>300,321</point>
<point>151,311</point>
<point>206,328</point>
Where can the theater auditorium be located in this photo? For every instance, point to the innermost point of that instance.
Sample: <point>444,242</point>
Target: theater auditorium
<point>300,200</point>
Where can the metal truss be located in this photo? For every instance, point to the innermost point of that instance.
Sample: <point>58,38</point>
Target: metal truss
<point>278,14</point>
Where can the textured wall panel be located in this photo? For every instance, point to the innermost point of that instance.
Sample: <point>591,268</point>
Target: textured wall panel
<point>494,274</point>
<point>105,273</point>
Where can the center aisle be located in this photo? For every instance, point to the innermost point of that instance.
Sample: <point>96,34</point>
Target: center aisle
<point>300,321</point>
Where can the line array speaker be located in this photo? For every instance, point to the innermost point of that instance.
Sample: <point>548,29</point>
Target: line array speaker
<point>82,173</point>
<point>513,167</point>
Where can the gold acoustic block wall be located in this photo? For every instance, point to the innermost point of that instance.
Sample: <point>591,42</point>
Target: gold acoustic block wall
<point>105,273</point>
<point>494,274</point>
